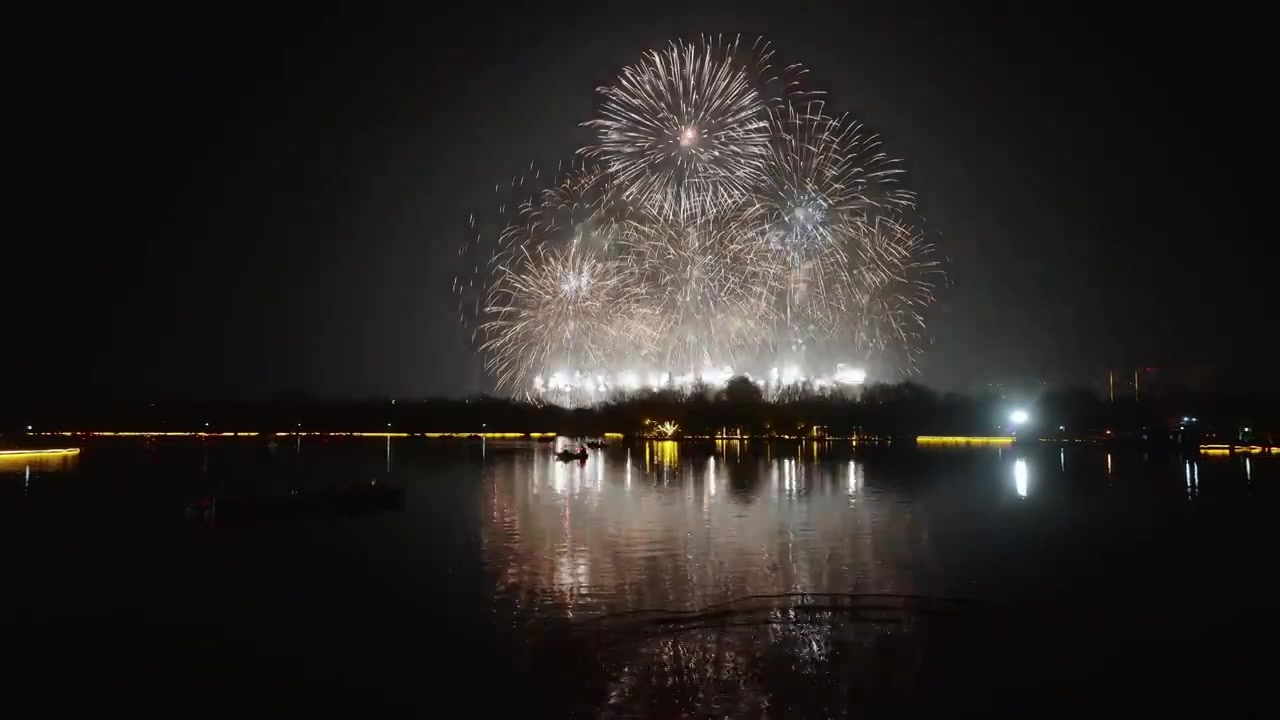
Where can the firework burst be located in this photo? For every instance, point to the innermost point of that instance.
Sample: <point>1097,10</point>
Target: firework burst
<point>722,217</point>
<point>686,130</point>
<point>824,178</point>
<point>553,306</point>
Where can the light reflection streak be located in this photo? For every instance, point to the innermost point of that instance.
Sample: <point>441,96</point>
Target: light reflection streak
<point>1248,470</point>
<point>560,476</point>
<point>1108,465</point>
<point>1020,476</point>
<point>711,475</point>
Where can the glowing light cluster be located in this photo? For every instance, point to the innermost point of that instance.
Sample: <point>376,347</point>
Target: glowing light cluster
<point>722,218</point>
<point>576,385</point>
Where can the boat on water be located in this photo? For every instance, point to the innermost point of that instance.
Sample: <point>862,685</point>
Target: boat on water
<point>569,455</point>
<point>351,500</point>
<point>597,445</point>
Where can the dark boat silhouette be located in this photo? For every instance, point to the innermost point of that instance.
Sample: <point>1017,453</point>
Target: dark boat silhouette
<point>547,439</point>
<point>353,500</point>
<point>597,445</point>
<point>570,456</point>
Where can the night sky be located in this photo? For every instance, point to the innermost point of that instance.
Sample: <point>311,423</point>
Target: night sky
<point>239,203</point>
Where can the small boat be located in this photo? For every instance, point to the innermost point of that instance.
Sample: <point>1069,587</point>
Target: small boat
<point>547,439</point>
<point>597,445</point>
<point>570,456</point>
<point>354,499</point>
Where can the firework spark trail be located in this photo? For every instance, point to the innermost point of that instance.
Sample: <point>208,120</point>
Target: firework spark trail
<point>484,248</point>
<point>893,283</point>
<point>713,285</point>
<point>722,216</point>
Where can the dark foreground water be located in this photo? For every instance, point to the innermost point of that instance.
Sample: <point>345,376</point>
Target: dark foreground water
<point>1029,578</point>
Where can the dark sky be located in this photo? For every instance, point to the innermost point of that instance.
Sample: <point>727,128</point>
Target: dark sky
<point>233,201</point>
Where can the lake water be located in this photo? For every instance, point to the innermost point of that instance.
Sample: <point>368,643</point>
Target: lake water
<point>1036,577</point>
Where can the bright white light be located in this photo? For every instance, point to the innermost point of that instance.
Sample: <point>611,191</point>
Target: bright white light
<point>574,284</point>
<point>791,375</point>
<point>850,376</point>
<point>1018,417</point>
<point>1020,477</point>
<point>717,376</point>
<point>629,379</point>
<point>538,382</point>
<point>688,137</point>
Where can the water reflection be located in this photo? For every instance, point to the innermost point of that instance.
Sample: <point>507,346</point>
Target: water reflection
<point>687,532</point>
<point>39,463</point>
<point>1020,477</point>
<point>665,526</point>
<point>767,659</point>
